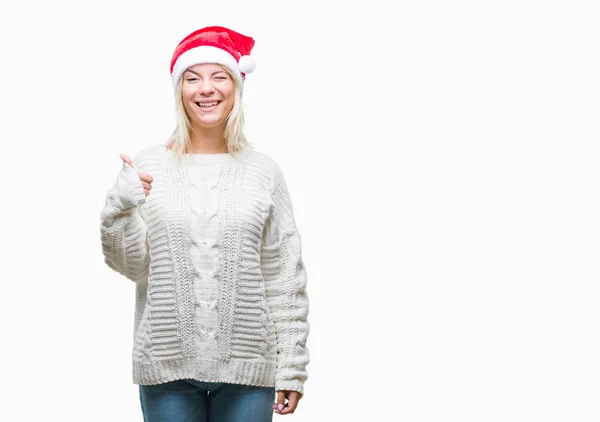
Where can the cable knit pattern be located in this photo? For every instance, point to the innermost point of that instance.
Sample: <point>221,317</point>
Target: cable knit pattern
<point>215,255</point>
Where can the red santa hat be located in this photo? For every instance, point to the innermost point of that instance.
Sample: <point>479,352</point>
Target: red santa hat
<point>214,44</point>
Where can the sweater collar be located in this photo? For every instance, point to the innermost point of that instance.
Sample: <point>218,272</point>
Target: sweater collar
<point>200,159</point>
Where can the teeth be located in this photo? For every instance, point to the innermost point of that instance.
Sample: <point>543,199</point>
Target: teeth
<point>214,103</point>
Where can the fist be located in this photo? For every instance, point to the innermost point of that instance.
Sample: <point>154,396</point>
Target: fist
<point>144,177</point>
<point>283,408</point>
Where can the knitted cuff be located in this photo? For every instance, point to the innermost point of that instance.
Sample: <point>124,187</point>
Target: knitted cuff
<point>289,385</point>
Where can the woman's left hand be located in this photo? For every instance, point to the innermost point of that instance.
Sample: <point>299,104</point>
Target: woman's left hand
<point>293,398</point>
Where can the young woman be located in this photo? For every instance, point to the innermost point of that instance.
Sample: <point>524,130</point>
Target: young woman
<point>204,226</point>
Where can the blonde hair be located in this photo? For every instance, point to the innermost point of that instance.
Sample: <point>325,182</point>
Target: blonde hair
<point>235,139</point>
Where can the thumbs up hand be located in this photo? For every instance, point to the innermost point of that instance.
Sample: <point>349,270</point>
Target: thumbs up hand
<point>144,177</point>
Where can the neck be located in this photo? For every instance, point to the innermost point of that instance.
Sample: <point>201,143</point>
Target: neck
<point>208,140</point>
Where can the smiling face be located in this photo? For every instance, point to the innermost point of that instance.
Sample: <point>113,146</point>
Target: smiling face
<point>208,95</point>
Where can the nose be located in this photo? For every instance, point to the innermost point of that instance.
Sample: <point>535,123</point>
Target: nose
<point>206,87</point>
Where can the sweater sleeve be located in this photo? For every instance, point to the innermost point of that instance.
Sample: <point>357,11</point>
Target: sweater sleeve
<point>285,280</point>
<point>123,230</point>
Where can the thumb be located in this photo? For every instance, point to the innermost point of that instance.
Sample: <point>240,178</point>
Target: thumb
<point>280,403</point>
<point>126,159</point>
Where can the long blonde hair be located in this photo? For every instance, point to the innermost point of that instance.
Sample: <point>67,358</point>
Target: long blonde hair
<point>235,139</point>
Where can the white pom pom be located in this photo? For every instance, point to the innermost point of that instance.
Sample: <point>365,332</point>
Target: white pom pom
<point>246,64</point>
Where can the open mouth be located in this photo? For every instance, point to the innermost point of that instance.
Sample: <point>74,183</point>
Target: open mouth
<point>207,105</point>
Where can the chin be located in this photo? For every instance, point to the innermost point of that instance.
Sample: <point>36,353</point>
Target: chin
<point>209,123</point>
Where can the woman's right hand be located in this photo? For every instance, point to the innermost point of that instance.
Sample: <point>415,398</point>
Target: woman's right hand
<point>144,177</point>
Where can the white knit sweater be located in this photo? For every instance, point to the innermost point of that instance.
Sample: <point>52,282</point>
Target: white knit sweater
<point>216,257</point>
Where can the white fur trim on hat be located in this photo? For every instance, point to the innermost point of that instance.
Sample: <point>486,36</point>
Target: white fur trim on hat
<point>205,54</point>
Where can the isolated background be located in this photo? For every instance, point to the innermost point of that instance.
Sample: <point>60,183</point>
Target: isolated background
<point>443,163</point>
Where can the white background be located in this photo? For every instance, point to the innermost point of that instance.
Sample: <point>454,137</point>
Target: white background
<point>443,163</point>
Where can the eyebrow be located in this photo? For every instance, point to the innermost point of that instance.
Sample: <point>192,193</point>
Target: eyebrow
<point>218,71</point>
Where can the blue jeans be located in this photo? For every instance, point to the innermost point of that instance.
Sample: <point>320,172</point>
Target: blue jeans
<point>196,401</point>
